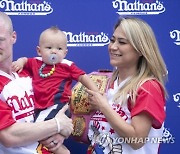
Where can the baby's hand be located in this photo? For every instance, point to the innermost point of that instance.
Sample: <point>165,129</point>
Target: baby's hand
<point>17,66</point>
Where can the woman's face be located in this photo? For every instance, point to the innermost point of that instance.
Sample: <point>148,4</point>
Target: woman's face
<point>121,52</point>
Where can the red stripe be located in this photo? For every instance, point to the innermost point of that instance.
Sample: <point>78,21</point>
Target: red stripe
<point>99,119</point>
<point>24,115</point>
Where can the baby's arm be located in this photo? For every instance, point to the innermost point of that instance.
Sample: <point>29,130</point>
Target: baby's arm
<point>17,66</point>
<point>88,82</point>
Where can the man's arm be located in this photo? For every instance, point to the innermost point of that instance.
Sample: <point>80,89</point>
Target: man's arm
<point>20,134</point>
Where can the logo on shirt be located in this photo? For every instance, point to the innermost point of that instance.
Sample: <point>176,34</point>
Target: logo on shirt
<point>21,107</point>
<point>175,34</point>
<point>34,7</point>
<point>138,8</point>
<point>87,39</point>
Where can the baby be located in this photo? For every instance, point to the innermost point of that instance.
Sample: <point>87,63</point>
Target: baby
<point>52,75</point>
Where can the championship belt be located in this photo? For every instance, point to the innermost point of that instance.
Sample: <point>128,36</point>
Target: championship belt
<point>81,110</point>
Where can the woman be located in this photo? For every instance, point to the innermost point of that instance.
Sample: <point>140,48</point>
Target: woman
<point>130,117</point>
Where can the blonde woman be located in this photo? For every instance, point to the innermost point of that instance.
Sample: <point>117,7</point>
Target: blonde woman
<point>131,114</point>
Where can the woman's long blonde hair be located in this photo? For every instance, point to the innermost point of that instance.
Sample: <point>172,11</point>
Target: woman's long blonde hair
<point>151,64</point>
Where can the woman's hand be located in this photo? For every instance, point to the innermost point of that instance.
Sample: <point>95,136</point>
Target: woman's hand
<point>53,142</point>
<point>97,100</point>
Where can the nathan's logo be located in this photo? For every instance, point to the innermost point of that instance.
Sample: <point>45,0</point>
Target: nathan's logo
<point>88,39</point>
<point>176,98</point>
<point>167,136</point>
<point>20,104</point>
<point>24,8</point>
<point>175,34</point>
<point>138,8</point>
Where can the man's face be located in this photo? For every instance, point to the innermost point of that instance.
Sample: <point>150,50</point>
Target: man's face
<point>7,39</point>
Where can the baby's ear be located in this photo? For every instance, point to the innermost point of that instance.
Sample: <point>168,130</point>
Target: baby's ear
<point>66,51</point>
<point>38,50</point>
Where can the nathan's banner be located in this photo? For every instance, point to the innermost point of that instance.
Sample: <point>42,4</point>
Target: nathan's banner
<point>81,110</point>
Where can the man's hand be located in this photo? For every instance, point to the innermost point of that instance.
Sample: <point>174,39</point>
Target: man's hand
<point>66,126</point>
<point>53,142</point>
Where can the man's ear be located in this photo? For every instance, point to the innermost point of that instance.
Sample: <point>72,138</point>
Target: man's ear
<point>14,37</point>
<point>38,50</point>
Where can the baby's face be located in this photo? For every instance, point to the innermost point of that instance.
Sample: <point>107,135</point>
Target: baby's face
<point>53,47</point>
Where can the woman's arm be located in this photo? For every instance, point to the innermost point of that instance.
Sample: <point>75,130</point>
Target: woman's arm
<point>139,127</point>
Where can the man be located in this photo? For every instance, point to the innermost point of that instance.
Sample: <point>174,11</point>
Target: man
<point>17,132</point>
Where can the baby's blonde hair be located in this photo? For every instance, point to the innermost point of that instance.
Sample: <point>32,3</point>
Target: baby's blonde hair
<point>54,29</point>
